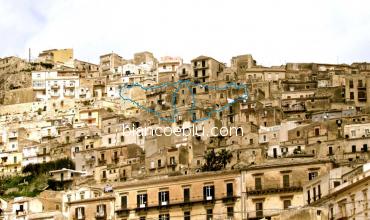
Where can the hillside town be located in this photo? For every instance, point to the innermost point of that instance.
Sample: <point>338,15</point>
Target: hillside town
<point>293,144</point>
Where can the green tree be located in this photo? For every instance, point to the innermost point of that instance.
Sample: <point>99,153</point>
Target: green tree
<point>224,157</point>
<point>216,161</point>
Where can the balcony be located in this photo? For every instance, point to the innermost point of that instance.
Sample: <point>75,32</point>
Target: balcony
<point>90,160</point>
<point>41,154</point>
<point>54,94</point>
<point>69,85</point>
<point>69,94</point>
<point>102,162</point>
<point>172,164</point>
<point>55,86</point>
<point>260,214</point>
<point>183,74</point>
<point>100,216</point>
<point>122,211</point>
<point>115,160</point>
<point>200,66</point>
<point>272,187</point>
<point>20,212</point>
<point>99,83</point>
<point>297,108</point>
<point>229,198</point>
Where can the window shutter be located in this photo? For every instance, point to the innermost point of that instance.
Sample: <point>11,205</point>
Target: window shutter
<point>229,190</point>
<point>124,202</point>
<point>138,200</point>
<point>213,192</point>
<point>204,193</point>
<point>83,212</point>
<point>76,211</point>
<point>159,198</point>
<point>168,197</point>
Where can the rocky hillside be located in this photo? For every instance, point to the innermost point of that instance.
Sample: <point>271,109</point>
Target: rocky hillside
<point>15,75</point>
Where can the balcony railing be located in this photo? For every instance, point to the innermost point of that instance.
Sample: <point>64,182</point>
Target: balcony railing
<point>264,213</point>
<point>185,202</point>
<point>100,216</point>
<point>122,211</point>
<point>69,85</point>
<point>102,162</point>
<point>274,188</point>
<point>172,164</point>
<point>20,212</point>
<point>293,108</point>
<point>200,66</point>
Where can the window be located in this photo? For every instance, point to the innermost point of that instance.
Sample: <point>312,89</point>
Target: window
<point>336,183</point>
<point>287,203</point>
<point>259,209</point>
<point>208,192</point>
<point>312,175</point>
<point>122,138</point>
<point>229,190</point>
<point>163,198</point>
<point>351,84</point>
<point>82,195</point>
<point>186,194</point>
<point>230,212</point>
<point>353,148</point>
<point>209,214</point>
<point>317,131</point>
<point>172,161</point>
<point>353,133</point>
<point>142,200</point>
<point>164,217</point>
<point>351,95</point>
<point>286,182</point>
<point>319,191</point>
<point>364,148</point>
<point>109,140</point>
<point>101,210</point>
<point>314,193</point>
<point>330,150</point>
<point>258,183</point>
<point>308,197</point>
<point>298,133</point>
<point>80,213</point>
<point>123,202</point>
<point>159,163</point>
<point>187,215</point>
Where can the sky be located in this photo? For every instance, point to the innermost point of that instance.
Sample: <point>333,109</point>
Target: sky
<point>274,32</point>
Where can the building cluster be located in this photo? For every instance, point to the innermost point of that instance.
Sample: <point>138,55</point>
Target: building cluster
<point>298,137</point>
